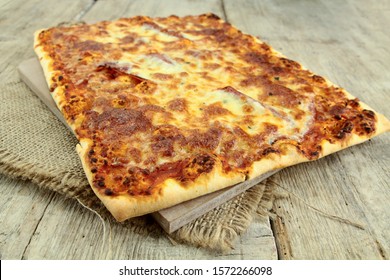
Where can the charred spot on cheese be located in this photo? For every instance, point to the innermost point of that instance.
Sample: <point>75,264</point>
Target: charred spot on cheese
<point>290,63</point>
<point>163,145</point>
<point>202,163</point>
<point>367,128</point>
<point>119,121</point>
<point>215,109</point>
<point>108,192</point>
<point>178,104</point>
<point>252,80</point>
<point>146,87</point>
<point>354,103</point>
<point>212,66</point>
<point>212,16</point>
<point>128,39</point>
<point>366,123</point>
<point>369,114</point>
<point>318,79</point>
<point>162,76</point>
<point>208,140</point>
<point>219,35</point>
<point>342,129</point>
<point>257,58</point>
<point>283,95</point>
<point>99,182</point>
<point>89,45</point>
<point>269,150</point>
<point>53,86</point>
<point>337,111</point>
<point>93,159</point>
<point>309,145</point>
<point>164,138</point>
<point>135,154</point>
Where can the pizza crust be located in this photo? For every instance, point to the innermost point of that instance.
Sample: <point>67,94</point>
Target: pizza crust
<point>43,58</point>
<point>382,125</point>
<point>292,156</point>
<point>46,62</point>
<point>123,207</point>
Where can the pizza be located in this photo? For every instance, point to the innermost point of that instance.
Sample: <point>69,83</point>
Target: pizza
<point>169,109</point>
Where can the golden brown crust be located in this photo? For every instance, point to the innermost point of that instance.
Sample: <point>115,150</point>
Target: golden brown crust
<point>125,206</point>
<point>49,72</point>
<point>168,109</point>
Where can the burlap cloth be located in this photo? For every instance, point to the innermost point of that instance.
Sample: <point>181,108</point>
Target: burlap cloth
<point>36,146</point>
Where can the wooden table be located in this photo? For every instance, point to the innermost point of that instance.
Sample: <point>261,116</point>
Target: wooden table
<point>334,208</point>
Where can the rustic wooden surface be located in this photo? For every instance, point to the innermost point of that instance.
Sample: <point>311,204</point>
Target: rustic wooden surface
<point>334,208</point>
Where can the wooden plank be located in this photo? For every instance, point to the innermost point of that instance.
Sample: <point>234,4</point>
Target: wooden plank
<point>20,19</point>
<point>170,219</point>
<point>31,73</point>
<point>68,231</point>
<point>105,10</point>
<point>173,218</point>
<point>22,206</point>
<point>23,18</point>
<point>335,208</point>
<point>38,224</point>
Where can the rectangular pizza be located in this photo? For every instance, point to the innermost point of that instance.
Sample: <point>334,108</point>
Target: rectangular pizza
<point>169,109</point>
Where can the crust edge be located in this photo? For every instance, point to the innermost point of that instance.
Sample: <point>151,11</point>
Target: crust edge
<point>125,207</point>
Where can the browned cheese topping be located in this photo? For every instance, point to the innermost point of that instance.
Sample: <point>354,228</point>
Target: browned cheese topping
<point>170,97</point>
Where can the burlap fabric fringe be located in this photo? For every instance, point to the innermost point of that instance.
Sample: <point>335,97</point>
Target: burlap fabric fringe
<point>35,146</point>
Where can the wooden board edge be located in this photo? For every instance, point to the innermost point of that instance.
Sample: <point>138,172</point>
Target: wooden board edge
<point>203,204</point>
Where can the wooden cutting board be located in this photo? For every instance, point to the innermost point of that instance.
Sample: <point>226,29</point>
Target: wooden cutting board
<point>171,218</point>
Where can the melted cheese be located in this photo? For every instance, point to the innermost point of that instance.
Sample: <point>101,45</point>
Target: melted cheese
<point>164,90</point>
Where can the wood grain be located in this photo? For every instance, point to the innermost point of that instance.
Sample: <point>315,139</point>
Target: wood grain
<point>105,10</point>
<point>20,19</point>
<point>48,226</point>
